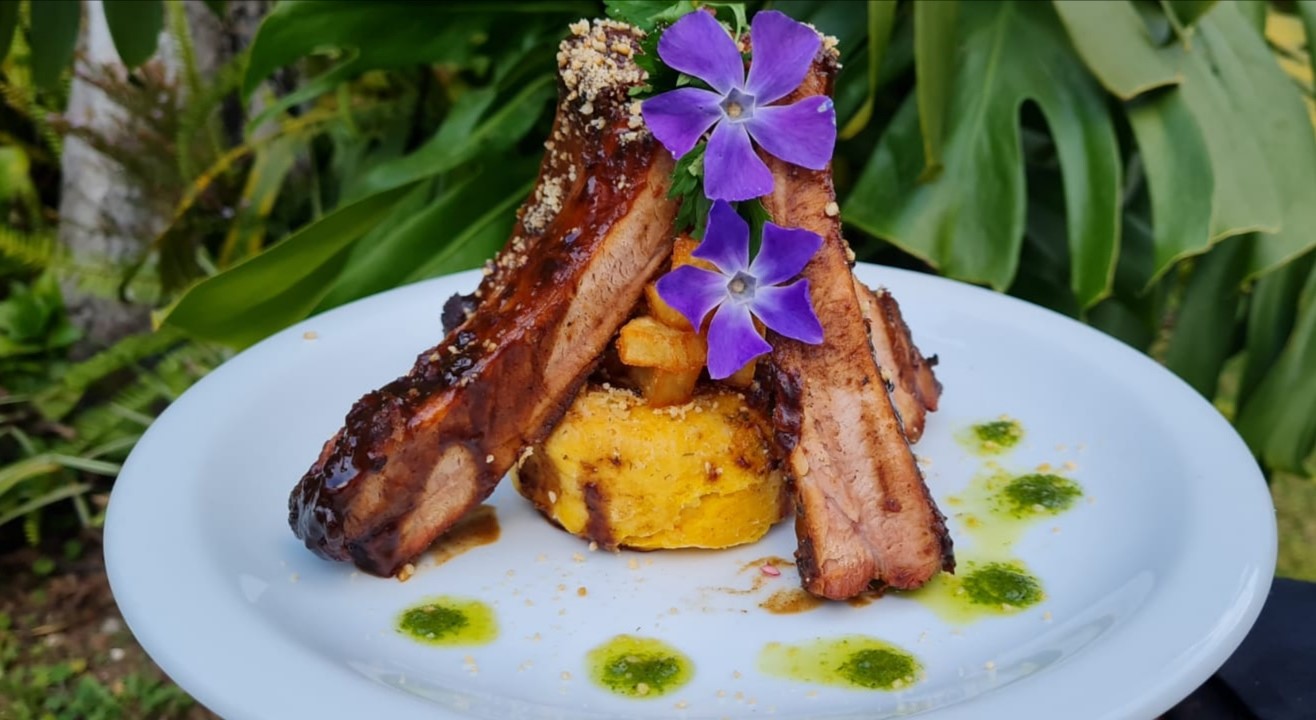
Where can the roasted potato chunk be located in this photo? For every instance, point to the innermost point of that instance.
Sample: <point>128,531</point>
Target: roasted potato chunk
<point>683,254</point>
<point>645,342</point>
<point>662,388</point>
<point>705,474</point>
<point>664,313</point>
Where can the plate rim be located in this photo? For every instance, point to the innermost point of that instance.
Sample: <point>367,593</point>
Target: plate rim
<point>124,539</point>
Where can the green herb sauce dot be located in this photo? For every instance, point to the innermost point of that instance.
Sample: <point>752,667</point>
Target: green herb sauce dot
<point>853,661</point>
<point>997,436</point>
<point>879,669</point>
<point>1006,433</point>
<point>1051,494</point>
<point>1002,584</point>
<point>449,621</point>
<point>639,667</point>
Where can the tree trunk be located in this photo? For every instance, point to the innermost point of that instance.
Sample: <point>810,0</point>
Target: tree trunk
<point>94,200</point>
<point>108,217</point>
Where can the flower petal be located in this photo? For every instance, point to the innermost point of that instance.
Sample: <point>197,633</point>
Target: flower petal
<point>783,51</point>
<point>693,292</point>
<point>784,253</point>
<point>680,117</point>
<point>697,45</point>
<point>788,311</point>
<point>803,133</point>
<point>732,341</point>
<point>732,170</point>
<point>726,240</point>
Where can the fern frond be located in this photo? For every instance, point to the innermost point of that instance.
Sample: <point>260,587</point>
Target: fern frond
<point>197,114</point>
<point>32,529</point>
<point>142,398</point>
<point>182,37</point>
<point>105,279</point>
<point>34,250</point>
<point>56,401</point>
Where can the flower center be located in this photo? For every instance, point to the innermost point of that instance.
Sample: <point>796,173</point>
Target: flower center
<point>742,286</point>
<point>738,106</point>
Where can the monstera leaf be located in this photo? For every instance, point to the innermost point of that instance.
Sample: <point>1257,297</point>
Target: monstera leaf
<point>1232,105</point>
<point>968,222</point>
<point>1277,421</point>
<point>1265,108</point>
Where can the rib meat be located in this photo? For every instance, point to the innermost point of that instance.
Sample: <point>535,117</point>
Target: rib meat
<point>864,515</point>
<point>914,389</point>
<point>417,454</point>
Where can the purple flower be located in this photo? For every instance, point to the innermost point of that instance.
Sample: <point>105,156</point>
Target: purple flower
<point>741,290</point>
<point>803,133</point>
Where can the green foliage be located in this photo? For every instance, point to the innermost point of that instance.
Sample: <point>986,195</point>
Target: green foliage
<point>1307,12</point>
<point>687,187</point>
<point>461,182</point>
<point>54,36</point>
<point>33,326</point>
<point>8,22</point>
<point>1180,182</point>
<point>47,462</point>
<point>1094,27</point>
<point>282,285</point>
<point>934,58</point>
<point>68,690</point>
<point>452,33</point>
<point>54,25</point>
<point>972,229</point>
<point>881,18</point>
<point>1097,168</point>
<point>1145,167</point>
<point>135,28</point>
<point>1187,12</point>
<point>1278,420</point>
<point>470,131</point>
<point>647,14</point>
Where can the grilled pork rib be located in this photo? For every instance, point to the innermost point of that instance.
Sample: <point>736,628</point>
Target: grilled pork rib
<point>864,514</point>
<point>417,454</point>
<point>914,389</point>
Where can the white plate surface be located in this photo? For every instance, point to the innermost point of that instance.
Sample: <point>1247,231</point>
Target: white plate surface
<point>1150,585</point>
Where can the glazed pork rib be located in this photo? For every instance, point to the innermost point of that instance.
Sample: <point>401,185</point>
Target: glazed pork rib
<point>864,516</point>
<point>914,388</point>
<point>419,453</point>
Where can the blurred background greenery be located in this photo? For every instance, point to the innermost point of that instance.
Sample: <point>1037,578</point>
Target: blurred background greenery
<point>181,179</point>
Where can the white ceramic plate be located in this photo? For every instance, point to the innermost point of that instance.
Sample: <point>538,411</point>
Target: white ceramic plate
<point>1150,585</point>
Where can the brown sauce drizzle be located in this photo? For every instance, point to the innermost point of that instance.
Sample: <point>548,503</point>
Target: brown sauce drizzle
<point>760,579</point>
<point>479,527</point>
<point>791,601</point>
